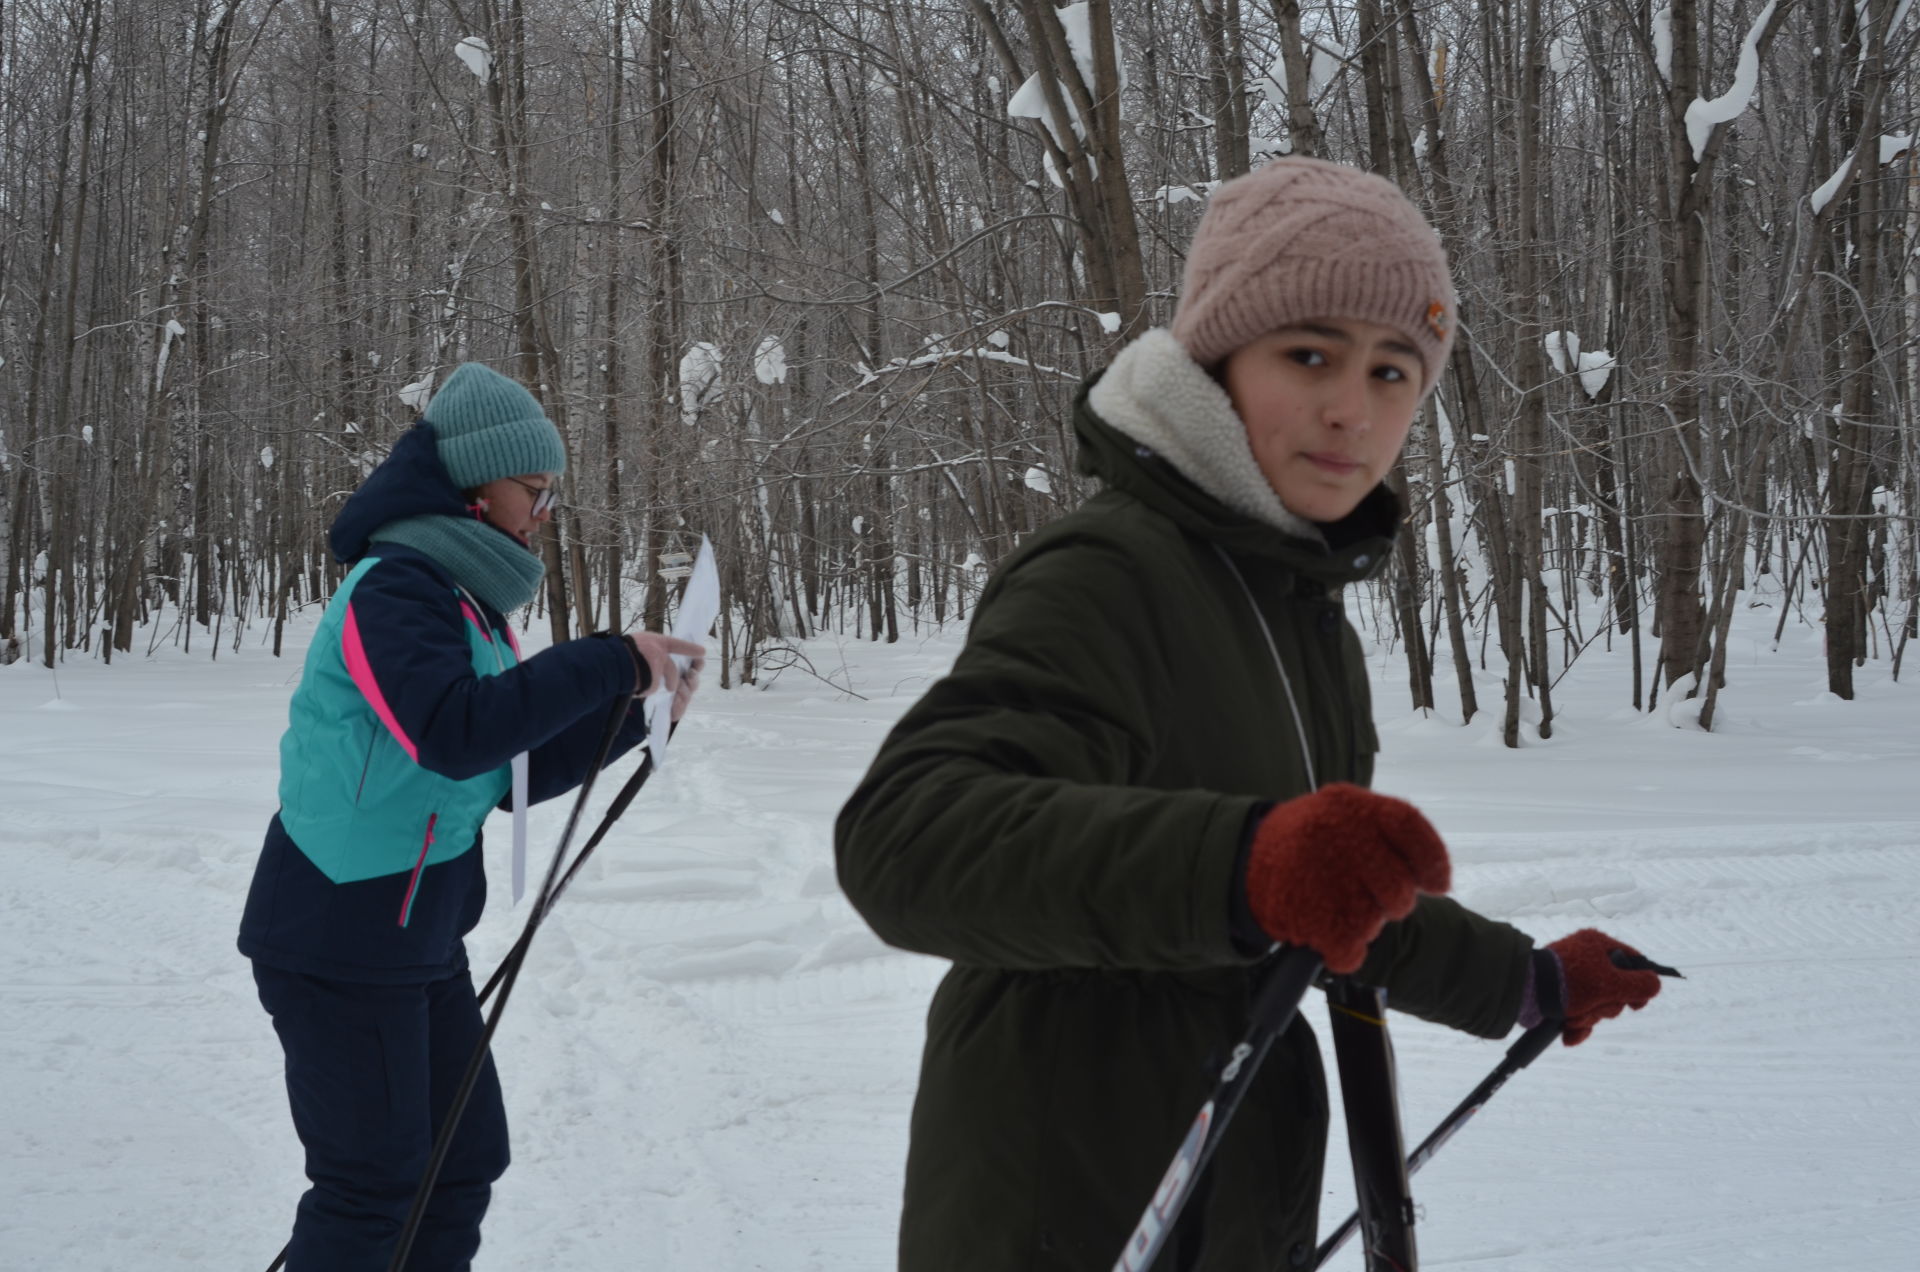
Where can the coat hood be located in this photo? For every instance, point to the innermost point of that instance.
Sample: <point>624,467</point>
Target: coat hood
<point>410,482</point>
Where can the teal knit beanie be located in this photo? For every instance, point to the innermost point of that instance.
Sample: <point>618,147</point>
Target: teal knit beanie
<point>486,426</point>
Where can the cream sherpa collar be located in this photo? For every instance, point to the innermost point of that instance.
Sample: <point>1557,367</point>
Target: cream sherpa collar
<point>1163,399</point>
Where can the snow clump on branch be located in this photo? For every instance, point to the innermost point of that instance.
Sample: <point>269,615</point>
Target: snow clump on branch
<point>770,361</point>
<point>478,57</point>
<point>1594,367</point>
<point>1703,115</point>
<point>699,379</point>
<point>1029,101</point>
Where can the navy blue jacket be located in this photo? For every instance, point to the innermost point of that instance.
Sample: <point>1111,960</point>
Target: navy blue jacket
<point>421,690</point>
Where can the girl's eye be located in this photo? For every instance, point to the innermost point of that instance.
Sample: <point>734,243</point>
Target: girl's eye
<point>1308,357</point>
<point>1391,374</point>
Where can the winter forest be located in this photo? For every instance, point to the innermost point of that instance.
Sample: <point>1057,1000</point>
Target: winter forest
<point>819,278</point>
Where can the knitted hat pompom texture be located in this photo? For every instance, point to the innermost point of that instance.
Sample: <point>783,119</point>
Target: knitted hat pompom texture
<point>486,426</point>
<point>1300,239</point>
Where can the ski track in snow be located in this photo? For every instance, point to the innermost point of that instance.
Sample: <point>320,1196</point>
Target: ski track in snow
<point>710,1060</point>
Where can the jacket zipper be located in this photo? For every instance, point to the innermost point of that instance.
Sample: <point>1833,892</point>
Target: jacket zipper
<point>365,766</point>
<point>1286,681</point>
<point>413,883</point>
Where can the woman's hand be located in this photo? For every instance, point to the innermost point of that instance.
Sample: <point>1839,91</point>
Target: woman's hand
<point>655,651</point>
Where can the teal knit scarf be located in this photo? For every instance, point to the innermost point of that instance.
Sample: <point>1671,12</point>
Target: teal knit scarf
<point>490,563</point>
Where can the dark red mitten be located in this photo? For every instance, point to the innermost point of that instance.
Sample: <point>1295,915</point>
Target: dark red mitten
<point>1327,870</point>
<point>1597,988</point>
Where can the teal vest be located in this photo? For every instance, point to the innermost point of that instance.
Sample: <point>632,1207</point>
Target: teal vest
<point>352,797</point>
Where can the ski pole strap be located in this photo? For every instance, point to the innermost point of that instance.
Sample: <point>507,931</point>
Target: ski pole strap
<point>1369,1091</point>
<point>1274,1008</point>
<point>1522,1053</point>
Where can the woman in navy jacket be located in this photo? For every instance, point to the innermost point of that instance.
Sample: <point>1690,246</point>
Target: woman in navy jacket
<point>412,706</point>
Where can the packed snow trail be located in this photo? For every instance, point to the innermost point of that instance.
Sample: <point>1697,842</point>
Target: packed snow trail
<point>710,1061</point>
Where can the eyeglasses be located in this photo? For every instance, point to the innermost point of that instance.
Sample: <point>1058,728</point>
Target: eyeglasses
<point>543,496</point>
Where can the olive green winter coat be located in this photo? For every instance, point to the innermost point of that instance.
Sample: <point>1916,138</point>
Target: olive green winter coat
<point>1061,817</point>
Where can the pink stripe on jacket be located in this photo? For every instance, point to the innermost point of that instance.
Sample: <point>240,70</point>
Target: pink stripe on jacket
<point>362,672</point>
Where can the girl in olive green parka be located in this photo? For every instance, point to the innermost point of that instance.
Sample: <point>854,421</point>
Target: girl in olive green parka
<point>1149,765</point>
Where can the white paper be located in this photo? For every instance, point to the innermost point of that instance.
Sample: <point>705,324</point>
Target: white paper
<point>519,826</point>
<point>699,607</point>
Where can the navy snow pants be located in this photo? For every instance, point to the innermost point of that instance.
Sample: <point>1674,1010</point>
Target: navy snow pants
<point>371,1072</point>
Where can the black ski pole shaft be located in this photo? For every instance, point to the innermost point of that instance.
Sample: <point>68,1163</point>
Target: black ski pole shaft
<point>1274,1008</point>
<point>613,814</point>
<point>607,819</point>
<point>516,958</point>
<point>1369,1090</point>
<point>1522,1053</point>
<point>543,900</point>
<point>1525,1050</point>
<point>515,952</point>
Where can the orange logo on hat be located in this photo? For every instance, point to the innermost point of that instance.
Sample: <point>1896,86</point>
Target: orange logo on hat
<point>1437,319</point>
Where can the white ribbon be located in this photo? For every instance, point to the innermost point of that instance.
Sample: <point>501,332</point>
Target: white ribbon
<point>519,826</point>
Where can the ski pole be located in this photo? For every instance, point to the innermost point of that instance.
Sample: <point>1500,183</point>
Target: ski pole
<point>1521,1054</point>
<point>607,819</point>
<point>517,953</point>
<point>1274,1008</point>
<point>516,958</point>
<point>1370,1092</point>
<point>1525,1050</point>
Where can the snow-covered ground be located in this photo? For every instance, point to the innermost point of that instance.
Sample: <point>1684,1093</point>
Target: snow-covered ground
<point>709,1062</point>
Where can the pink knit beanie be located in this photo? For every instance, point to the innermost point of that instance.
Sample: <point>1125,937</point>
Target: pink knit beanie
<point>1300,239</point>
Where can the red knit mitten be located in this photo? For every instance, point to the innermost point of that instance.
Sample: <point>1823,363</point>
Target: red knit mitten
<point>1327,870</point>
<point>1598,989</point>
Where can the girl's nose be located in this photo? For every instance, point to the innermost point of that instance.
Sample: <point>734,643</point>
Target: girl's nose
<point>1346,407</point>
